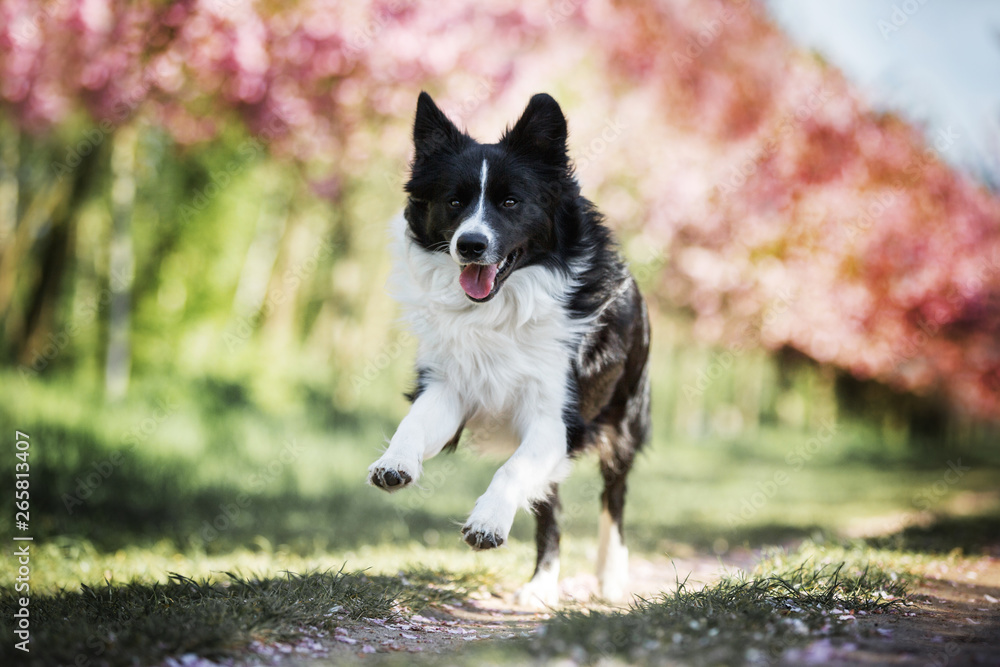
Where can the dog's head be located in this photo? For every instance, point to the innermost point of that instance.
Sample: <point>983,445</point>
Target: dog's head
<point>491,207</point>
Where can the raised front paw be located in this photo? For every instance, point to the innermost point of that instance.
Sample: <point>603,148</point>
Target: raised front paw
<point>489,524</point>
<point>391,475</point>
<point>481,539</point>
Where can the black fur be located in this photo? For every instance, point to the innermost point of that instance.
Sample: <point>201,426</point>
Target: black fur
<point>551,224</point>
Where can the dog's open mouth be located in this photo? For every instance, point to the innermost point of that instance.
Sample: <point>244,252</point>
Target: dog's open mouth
<point>481,282</point>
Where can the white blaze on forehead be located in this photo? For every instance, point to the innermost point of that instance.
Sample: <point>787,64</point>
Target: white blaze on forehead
<point>483,172</point>
<point>475,222</point>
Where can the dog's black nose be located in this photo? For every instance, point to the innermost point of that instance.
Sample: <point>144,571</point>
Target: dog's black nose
<point>472,246</point>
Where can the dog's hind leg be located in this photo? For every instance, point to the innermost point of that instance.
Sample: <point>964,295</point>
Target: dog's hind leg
<point>543,589</point>
<point>612,554</point>
<point>618,443</point>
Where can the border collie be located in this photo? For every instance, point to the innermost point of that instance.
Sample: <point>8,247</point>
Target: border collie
<point>526,317</point>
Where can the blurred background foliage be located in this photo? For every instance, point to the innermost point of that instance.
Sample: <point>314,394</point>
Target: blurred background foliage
<point>194,202</point>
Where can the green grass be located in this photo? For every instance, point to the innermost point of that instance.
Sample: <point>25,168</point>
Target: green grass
<point>115,624</point>
<point>217,616</point>
<point>208,482</point>
<point>787,599</point>
<point>741,618</point>
<point>209,487</point>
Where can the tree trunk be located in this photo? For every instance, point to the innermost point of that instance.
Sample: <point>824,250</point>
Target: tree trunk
<point>10,162</point>
<point>258,266</point>
<point>56,204</point>
<point>122,262</point>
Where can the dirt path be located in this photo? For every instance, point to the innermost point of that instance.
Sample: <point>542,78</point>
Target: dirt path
<point>955,620</point>
<point>484,616</point>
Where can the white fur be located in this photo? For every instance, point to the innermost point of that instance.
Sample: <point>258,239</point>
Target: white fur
<point>476,222</point>
<point>526,476</point>
<point>506,359</point>
<point>432,421</point>
<point>612,560</point>
<point>543,589</point>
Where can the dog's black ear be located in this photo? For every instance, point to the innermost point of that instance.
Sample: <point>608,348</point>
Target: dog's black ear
<point>540,132</point>
<point>432,131</point>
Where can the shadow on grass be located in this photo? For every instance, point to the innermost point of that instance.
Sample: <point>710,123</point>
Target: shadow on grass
<point>738,620</point>
<point>972,535</point>
<point>710,538</point>
<point>81,487</point>
<point>144,623</point>
<point>116,500</point>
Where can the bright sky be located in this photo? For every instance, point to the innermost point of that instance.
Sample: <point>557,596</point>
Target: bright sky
<point>936,62</point>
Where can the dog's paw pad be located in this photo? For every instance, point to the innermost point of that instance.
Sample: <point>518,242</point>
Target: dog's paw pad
<point>389,479</point>
<point>481,540</point>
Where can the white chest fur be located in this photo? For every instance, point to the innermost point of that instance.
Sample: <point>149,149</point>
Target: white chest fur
<point>508,356</point>
<point>499,365</point>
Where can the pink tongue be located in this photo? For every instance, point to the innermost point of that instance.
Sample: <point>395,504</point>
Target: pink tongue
<point>477,280</point>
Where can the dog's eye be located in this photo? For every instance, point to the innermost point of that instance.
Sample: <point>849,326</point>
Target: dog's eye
<point>455,203</point>
<point>509,202</point>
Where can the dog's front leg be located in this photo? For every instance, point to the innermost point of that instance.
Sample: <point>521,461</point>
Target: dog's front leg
<point>434,419</point>
<point>528,474</point>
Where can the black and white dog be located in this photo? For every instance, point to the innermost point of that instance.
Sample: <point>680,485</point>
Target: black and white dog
<point>527,317</point>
